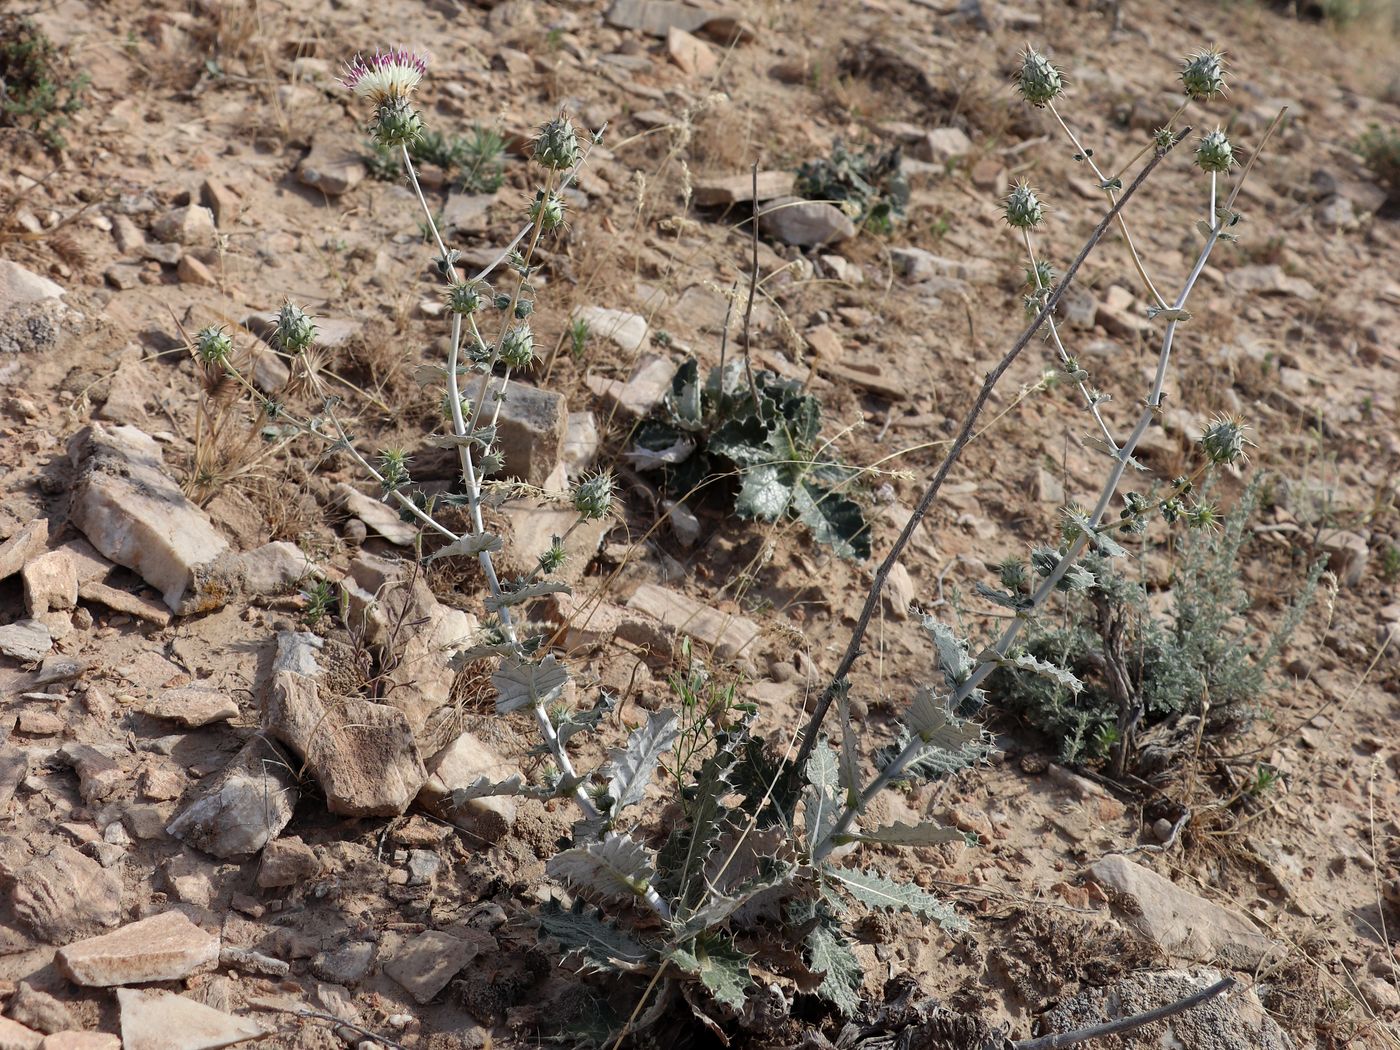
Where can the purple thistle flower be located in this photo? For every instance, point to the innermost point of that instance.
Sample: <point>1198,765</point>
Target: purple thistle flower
<point>385,75</point>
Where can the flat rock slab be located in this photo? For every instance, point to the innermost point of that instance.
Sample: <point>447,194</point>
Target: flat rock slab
<point>80,1041</point>
<point>726,634</point>
<point>425,964</point>
<point>644,390</point>
<point>624,329</point>
<point>739,189</point>
<point>31,540</point>
<point>241,808</point>
<point>362,754</point>
<point>380,517</point>
<point>26,640</point>
<point>658,17</point>
<point>165,947</point>
<point>65,894</point>
<point>806,224</point>
<point>466,760</point>
<point>32,313</point>
<point>135,514</point>
<point>1234,1020</point>
<point>165,1021</point>
<point>1180,923</point>
<point>15,1036</point>
<point>190,706</point>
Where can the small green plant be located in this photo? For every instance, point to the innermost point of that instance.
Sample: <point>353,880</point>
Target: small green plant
<point>767,433</point>
<point>1380,149</point>
<point>1390,563</point>
<point>1134,669</point>
<point>474,161</point>
<point>36,91</point>
<point>578,337</point>
<point>866,184</point>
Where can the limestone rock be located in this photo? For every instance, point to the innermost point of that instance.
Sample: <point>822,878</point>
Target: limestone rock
<point>694,57</point>
<point>467,759</point>
<point>28,542</point>
<point>275,568</point>
<point>1234,1020</point>
<point>156,1020</point>
<point>362,754</point>
<point>191,226</point>
<point>530,430</point>
<point>581,442</point>
<point>658,17</point>
<point>739,189</point>
<point>99,775</point>
<point>122,601</point>
<point>131,511</point>
<point>1180,923</point>
<point>164,947</point>
<point>346,966</point>
<point>15,1036</point>
<point>380,517</point>
<point>191,706</point>
<point>50,582</point>
<point>32,312</point>
<point>287,862</point>
<point>64,895</point>
<point>239,809</point>
<point>39,1010</point>
<point>25,640</point>
<point>806,224</point>
<point>942,145</point>
<point>625,330</point>
<point>1270,279</point>
<point>530,527</point>
<point>426,964</point>
<point>333,166</point>
<point>382,592</point>
<point>649,383</point>
<point>726,634</point>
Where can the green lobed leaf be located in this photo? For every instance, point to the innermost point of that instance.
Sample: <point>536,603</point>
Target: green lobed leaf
<point>833,520</point>
<point>901,834</point>
<point>877,891</point>
<point>584,932</point>
<point>831,955</point>
<point>951,651</point>
<point>765,493</point>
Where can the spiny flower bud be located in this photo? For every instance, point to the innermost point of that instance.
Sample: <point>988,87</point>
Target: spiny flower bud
<point>547,210</point>
<point>294,330</point>
<point>556,145</point>
<point>552,560</point>
<point>1014,576</point>
<point>393,467</point>
<point>1203,76</point>
<point>463,403</point>
<point>1203,516</point>
<point>396,123</point>
<point>1215,152</point>
<point>1223,440</point>
<point>1037,80</point>
<point>1023,208</point>
<point>464,297</point>
<point>593,496</point>
<point>212,345</point>
<point>518,347</point>
<point>1041,276</point>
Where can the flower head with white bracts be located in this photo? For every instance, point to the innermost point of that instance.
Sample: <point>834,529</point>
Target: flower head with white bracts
<point>386,76</point>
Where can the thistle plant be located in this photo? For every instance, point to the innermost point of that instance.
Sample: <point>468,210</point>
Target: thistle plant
<point>1056,567</point>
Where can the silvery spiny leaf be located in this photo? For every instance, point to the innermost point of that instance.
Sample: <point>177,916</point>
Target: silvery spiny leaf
<point>616,869</point>
<point>876,891</point>
<point>468,546</point>
<point>952,653</point>
<point>630,768</point>
<point>1007,600</point>
<point>823,780</point>
<point>582,932</point>
<point>900,834</point>
<point>654,459</point>
<point>1168,313</point>
<point>520,684</point>
<point>1026,662</point>
<point>523,593</point>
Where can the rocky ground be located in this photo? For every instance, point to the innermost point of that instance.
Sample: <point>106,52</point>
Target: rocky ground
<point>205,842</point>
